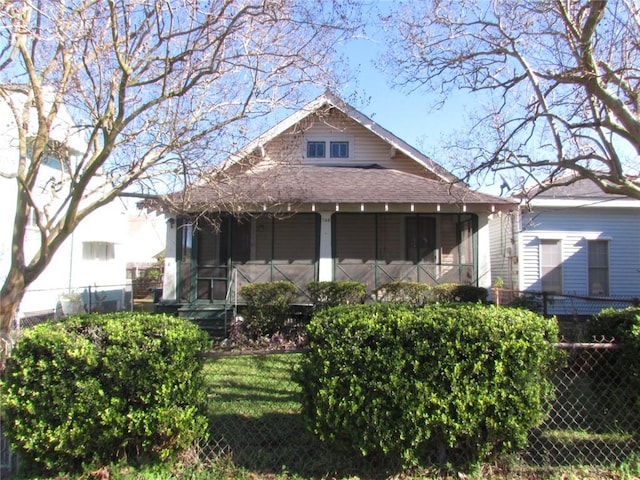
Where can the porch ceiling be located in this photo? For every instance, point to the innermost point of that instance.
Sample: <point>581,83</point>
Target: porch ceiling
<point>304,184</point>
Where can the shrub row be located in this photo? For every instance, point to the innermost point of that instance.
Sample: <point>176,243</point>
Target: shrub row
<point>95,388</point>
<point>420,294</point>
<point>439,383</point>
<point>267,308</point>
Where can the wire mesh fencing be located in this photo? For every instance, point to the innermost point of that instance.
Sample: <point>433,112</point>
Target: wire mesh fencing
<point>593,420</point>
<point>562,305</point>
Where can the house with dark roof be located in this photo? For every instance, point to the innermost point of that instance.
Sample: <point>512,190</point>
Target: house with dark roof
<point>326,194</point>
<point>574,243</point>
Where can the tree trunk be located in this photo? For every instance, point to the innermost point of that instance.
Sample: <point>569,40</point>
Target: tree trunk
<point>11,294</point>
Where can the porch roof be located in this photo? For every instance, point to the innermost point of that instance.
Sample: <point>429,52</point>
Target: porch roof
<point>312,184</point>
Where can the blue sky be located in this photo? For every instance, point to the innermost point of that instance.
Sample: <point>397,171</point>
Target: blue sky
<point>408,115</point>
<point>411,116</point>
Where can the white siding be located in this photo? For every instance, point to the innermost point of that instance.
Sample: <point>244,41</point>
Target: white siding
<point>574,227</point>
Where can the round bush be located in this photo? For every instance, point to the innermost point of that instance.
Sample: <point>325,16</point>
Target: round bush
<point>454,292</point>
<point>331,294</point>
<point>450,382</point>
<point>95,388</point>
<point>413,293</point>
<point>267,306</point>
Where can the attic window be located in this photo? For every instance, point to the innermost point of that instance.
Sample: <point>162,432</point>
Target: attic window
<point>339,149</point>
<point>316,149</point>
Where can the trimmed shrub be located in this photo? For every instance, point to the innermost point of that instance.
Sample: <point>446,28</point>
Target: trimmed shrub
<point>618,324</point>
<point>413,293</point>
<point>621,368</point>
<point>331,294</point>
<point>454,292</point>
<point>448,382</point>
<point>92,389</point>
<point>267,306</point>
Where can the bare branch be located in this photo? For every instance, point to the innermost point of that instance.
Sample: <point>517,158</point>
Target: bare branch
<point>564,78</point>
<point>142,95</point>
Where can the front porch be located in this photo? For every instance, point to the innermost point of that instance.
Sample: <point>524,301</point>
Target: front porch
<point>219,254</point>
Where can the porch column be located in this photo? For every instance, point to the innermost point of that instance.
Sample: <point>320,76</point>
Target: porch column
<point>484,254</point>
<point>325,263</point>
<point>170,265</point>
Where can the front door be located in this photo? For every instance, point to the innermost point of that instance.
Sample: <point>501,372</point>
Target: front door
<point>212,259</point>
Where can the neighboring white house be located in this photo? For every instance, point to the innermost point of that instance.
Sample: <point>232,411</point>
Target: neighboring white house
<point>573,242</point>
<point>92,259</point>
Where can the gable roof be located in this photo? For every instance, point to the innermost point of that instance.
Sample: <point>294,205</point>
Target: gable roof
<point>328,99</point>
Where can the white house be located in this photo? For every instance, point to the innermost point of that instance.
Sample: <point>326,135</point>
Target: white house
<point>90,266</point>
<point>576,244</point>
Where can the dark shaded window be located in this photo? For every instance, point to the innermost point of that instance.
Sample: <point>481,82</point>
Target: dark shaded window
<point>316,149</point>
<point>339,149</point>
<point>598,267</point>
<point>551,266</point>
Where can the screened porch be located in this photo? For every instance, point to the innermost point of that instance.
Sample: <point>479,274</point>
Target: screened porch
<point>219,254</point>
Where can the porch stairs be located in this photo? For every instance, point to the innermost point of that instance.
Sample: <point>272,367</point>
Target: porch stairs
<point>212,318</point>
<point>216,316</point>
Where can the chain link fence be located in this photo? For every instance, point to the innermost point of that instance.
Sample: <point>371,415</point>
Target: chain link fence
<point>594,421</point>
<point>565,306</point>
<point>595,418</point>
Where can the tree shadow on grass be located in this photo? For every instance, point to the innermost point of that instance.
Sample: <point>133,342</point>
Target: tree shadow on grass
<point>276,442</point>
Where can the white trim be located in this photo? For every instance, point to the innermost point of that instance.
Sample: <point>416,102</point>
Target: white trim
<point>553,235</point>
<point>578,203</point>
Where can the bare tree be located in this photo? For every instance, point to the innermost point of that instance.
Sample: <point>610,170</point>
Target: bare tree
<point>153,88</point>
<point>561,79</point>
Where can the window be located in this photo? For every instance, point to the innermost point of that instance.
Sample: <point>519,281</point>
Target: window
<point>98,251</point>
<point>52,156</point>
<point>315,149</point>
<point>551,266</point>
<point>31,218</point>
<point>339,149</point>
<point>598,267</point>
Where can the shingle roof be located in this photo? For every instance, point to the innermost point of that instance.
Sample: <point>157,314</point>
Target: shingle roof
<point>297,184</point>
<point>579,189</point>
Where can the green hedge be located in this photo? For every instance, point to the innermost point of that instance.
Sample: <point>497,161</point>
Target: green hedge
<point>619,324</point>
<point>267,306</point>
<point>454,292</point>
<point>331,294</point>
<point>100,387</point>
<point>440,383</point>
<point>413,293</point>
<point>622,366</point>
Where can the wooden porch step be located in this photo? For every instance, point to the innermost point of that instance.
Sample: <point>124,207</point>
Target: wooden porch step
<point>213,319</point>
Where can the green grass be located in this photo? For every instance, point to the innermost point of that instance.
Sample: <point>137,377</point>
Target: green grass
<point>255,420</point>
<point>252,385</point>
